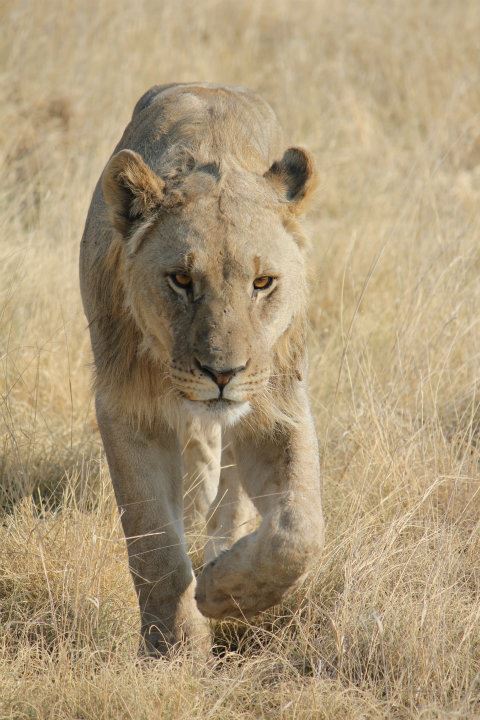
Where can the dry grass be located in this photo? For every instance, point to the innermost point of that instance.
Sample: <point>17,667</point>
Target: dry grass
<point>388,97</point>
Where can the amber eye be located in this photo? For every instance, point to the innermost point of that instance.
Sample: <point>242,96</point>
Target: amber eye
<point>181,280</point>
<point>263,282</point>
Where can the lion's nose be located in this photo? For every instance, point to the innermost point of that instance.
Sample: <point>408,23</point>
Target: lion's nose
<point>221,377</point>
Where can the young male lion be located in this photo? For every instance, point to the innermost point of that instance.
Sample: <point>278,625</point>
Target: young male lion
<point>193,281</point>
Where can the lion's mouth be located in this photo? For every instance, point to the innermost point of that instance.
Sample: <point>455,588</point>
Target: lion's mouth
<point>216,403</point>
<point>218,409</point>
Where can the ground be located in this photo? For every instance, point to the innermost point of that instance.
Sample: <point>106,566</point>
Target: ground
<point>387,96</point>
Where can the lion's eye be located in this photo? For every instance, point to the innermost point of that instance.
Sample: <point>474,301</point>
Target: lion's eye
<point>181,280</point>
<point>263,282</point>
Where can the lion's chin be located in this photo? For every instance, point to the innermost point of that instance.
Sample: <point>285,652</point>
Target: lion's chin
<point>226,412</point>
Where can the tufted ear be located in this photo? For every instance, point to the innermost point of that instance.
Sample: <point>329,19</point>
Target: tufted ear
<point>293,178</point>
<point>131,190</point>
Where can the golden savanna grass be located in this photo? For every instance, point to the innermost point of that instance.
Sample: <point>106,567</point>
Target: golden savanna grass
<point>387,95</point>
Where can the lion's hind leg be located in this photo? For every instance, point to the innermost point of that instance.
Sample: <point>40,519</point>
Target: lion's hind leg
<point>201,454</point>
<point>232,513</point>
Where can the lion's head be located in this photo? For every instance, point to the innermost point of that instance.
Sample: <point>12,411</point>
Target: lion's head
<point>213,273</point>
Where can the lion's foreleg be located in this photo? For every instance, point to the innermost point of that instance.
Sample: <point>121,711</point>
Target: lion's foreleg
<point>146,476</point>
<point>281,475</point>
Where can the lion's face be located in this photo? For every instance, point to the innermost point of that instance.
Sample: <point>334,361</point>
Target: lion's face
<point>214,282</point>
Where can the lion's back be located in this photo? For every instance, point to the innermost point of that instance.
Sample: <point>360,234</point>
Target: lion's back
<point>212,122</point>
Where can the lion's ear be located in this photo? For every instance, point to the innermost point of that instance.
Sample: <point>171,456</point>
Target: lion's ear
<point>131,189</point>
<point>293,178</point>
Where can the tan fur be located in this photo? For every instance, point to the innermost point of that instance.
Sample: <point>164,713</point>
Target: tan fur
<point>200,185</point>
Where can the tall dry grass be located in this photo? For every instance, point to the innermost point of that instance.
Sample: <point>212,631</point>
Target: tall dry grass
<point>387,95</point>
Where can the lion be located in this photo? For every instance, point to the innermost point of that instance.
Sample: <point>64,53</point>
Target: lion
<point>193,278</point>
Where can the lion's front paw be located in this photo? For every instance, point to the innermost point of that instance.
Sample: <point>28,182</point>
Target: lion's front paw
<point>221,592</point>
<point>185,629</point>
